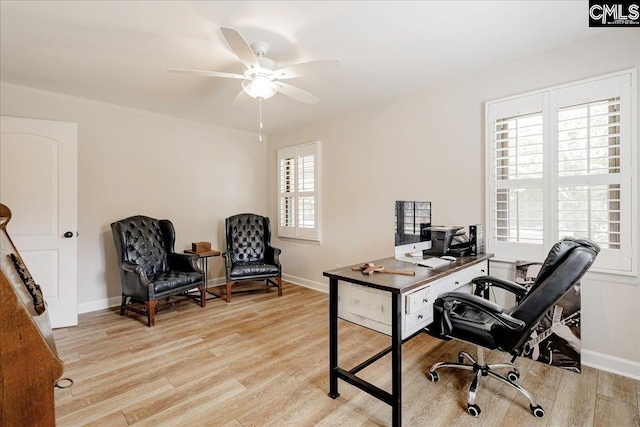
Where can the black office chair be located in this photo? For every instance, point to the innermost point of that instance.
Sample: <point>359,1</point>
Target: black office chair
<point>249,255</point>
<point>473,319</point>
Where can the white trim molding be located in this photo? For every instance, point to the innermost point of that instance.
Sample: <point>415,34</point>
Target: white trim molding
<point>317,286</point>
<point>100,304</point>
<point>607,363</point>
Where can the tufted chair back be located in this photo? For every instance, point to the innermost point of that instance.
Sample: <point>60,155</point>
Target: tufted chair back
<point>143,243</point>
<point>248,235</point>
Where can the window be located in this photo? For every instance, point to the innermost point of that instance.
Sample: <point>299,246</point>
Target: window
<point>299,195</point>
<point>559,164</point>
<point>518,158</point>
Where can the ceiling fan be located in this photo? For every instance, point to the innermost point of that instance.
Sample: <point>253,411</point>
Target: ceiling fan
<point>262,79</point>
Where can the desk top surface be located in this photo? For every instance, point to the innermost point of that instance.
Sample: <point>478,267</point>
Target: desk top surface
<point>397,283</point>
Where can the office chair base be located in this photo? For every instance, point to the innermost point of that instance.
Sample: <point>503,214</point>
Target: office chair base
<point>483,370</point>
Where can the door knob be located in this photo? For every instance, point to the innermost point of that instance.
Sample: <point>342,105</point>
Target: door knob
<point>68,235</point>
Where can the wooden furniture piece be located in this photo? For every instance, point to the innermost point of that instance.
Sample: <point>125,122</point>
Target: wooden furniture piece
<point>29,363</point>
<point>204,257</point>
<point>396,305</point>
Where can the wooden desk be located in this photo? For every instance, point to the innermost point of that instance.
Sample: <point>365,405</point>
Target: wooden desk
<point>396,305</point>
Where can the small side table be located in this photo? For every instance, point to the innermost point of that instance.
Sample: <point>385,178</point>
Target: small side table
<point>204,257</point>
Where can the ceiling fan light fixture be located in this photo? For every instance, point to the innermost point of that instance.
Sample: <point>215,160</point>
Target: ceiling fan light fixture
<point>259,87</point>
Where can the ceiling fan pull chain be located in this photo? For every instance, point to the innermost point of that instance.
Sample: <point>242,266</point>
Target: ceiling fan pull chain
<point>260,108</point>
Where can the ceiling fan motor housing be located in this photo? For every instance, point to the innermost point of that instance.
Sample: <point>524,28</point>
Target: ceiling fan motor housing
<point>260,48</point>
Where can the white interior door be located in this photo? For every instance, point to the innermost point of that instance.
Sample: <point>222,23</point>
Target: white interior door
<point>39,183</point>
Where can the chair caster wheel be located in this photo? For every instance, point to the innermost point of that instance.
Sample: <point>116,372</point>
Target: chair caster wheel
<point>537,411</point>
<point>513,376</point>
<point>433,377</point>
<point>474,410</point>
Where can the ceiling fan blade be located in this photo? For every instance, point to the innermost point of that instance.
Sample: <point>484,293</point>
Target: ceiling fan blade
<point>306,68</point>
<point>296,93</point>
<point>207,73</point>
<point>240,47</point>
<point>240,98</point>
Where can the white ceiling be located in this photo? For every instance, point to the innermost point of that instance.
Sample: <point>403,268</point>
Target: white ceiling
<point>118,51</point>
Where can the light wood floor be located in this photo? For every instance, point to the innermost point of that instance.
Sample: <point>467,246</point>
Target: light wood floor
<point>263,361</point>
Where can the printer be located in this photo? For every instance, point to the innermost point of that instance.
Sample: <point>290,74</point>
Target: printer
<point>452,241</point>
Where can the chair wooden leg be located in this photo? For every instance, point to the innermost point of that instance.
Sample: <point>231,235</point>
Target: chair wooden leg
<point>123,304</point>
<point>151,312</point>
<point>229,285</point>
<point>203,295</point>
<point>279,286</point>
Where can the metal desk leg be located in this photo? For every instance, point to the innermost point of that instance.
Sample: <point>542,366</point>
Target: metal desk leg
<point>333,338</point>
<point>396,360</point>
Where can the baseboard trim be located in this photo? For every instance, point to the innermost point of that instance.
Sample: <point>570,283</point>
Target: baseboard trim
<point>322,287</point>
<point>101,304</point>
<point>615,365</point>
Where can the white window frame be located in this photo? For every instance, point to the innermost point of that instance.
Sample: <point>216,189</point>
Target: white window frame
<point>296,232</point>
<point>548,102</point>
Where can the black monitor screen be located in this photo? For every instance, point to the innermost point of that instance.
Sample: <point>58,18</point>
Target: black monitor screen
<point>412,219</point>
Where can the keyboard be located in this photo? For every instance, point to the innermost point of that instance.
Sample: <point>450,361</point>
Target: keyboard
<point>433,262</point>
<point>412,260</point>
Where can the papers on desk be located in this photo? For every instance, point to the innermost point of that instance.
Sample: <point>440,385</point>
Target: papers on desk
<point>434,262</point>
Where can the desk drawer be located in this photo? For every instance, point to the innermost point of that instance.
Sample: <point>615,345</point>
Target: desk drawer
<point>417,301</point>
<point>463,277</point>
<point>481,269</point>
<point>451,283</point>
<point>418,319</point>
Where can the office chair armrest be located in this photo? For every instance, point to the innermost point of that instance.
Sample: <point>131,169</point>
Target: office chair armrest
<point>184,262</point>
<point>483,282</point>
<point>453,299</point>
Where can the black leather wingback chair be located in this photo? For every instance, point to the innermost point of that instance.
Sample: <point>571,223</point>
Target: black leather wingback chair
<point>149,268</point>
<point>476,320</point>
<point>249,255</point>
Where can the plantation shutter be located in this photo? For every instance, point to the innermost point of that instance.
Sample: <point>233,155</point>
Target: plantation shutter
<point>559,164</point>
<point>592,167</point>
<point>516,177</point>
<point>299,191</point>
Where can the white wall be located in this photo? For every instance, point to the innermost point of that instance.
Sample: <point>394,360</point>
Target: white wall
<point>133,162</point>
<point>429,145</point>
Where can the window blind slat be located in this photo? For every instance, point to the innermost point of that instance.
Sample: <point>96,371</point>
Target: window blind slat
<point>591,211</point>
<point>518,147</point>
<point>589,138</point>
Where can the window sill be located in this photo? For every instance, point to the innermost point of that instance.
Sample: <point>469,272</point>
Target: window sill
<point>601,274</point>
<point>300,240</point>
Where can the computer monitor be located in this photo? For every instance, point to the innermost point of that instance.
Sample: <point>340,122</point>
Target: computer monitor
<point>412,234</point>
